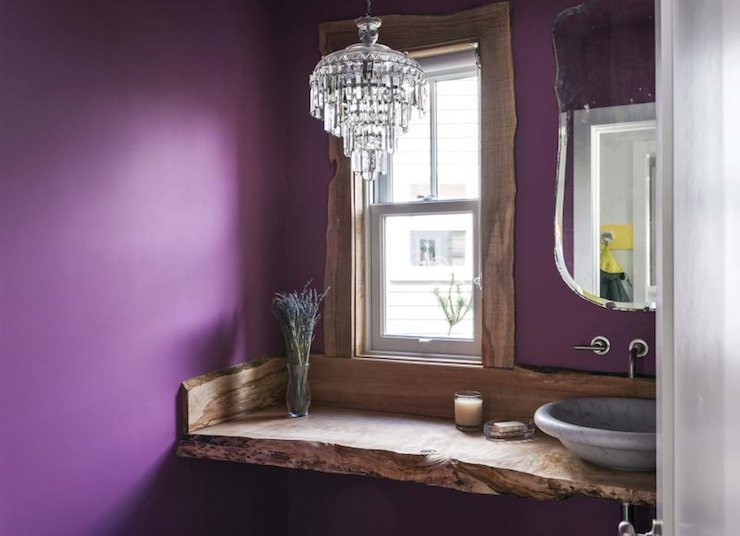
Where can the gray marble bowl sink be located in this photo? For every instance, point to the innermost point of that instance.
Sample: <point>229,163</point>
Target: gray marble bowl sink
<point>618,433</point>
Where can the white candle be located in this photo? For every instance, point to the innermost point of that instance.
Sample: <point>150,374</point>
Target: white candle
<point>468,410</point>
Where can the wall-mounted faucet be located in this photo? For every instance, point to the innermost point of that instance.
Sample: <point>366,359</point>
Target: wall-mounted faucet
<point>638,348</point>
<point>599,345</point>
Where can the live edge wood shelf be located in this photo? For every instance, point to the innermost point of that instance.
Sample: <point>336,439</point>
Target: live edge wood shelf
<point>238,415</point>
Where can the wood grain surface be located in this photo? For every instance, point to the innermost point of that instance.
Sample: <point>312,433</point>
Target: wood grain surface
<point>427,388</point>
<point>415,388</point>
<point>415,449</point>
<point>220,395</point>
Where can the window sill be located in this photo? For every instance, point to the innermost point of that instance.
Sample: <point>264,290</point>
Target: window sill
<point>237,415</point>
<point>474,361</point>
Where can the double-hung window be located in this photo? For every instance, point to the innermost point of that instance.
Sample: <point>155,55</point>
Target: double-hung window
<point>404,253</point>
<point>423,223</point>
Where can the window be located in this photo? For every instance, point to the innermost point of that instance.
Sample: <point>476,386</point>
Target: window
<point>423,231</point>
<point>463,223</point>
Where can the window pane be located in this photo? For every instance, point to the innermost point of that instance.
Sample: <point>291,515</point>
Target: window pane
<point>411,163</point>
<point>458,145</point>
<point>429,267</point>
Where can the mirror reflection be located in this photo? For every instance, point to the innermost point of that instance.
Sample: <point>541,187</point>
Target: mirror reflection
<point>605,207</point>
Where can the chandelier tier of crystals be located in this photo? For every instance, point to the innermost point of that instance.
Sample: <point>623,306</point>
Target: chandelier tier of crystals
<point>365,94</point>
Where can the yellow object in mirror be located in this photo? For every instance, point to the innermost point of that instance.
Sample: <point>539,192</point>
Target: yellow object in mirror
<point>609,263</point>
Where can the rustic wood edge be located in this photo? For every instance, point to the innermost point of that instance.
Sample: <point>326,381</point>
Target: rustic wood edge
<point>498,193</point>
<point>341,33</point>
<point>222,394</point>
<point>345,305</point>
<point>448,473</point>
<point>192,383</point>
<point>338,274</point>
<point>395,386</point>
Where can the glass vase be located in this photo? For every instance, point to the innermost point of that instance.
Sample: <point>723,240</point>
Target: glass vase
<point>298,393</point>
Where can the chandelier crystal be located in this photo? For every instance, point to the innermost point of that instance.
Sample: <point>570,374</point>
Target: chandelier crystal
<point>365,94</point>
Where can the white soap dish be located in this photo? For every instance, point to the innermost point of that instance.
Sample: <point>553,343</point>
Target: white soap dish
<point>511,430</point>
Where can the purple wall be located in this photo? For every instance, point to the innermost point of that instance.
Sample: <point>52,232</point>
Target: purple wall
<point>137,211</point>
<point>147,213</point>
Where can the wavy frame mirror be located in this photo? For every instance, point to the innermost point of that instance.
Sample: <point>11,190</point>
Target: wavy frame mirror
<point>605,196</point>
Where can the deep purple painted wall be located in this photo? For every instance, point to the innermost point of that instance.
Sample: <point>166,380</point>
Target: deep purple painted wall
<point>147,212</point>
<point>139,180</point>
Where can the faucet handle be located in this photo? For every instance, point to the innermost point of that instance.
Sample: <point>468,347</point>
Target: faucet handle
<point>641,347</point>
<point>626,529</point>
<point>599,345</point>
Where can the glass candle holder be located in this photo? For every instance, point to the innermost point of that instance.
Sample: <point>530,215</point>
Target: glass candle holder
<point>468,411</point>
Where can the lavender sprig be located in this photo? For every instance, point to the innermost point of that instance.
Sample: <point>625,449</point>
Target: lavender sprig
<point>298,314</point>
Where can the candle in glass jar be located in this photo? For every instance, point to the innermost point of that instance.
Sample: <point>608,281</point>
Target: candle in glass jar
<point>468,411</point>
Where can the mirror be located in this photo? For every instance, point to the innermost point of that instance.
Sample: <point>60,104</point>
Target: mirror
<point>605,203</point>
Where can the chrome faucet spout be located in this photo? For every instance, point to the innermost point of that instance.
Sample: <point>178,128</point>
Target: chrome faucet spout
<point>638,348</point>
<point>633,358</point>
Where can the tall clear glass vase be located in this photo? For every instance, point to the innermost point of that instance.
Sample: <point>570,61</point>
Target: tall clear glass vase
<point>298,393</point>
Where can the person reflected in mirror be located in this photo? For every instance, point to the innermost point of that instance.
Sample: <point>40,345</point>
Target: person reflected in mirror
<point>612,274</point>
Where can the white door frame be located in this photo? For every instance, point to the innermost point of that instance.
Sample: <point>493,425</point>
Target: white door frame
<point>664,310</point>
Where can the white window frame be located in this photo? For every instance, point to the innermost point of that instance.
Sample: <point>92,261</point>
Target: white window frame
<point>446,347</point>
<point>383,187</point>
<point>394,345</point>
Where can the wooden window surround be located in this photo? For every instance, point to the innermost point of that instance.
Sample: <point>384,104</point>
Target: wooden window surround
<point>344,308</point>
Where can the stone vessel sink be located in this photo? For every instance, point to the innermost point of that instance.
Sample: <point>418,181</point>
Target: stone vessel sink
<point>618,433</point>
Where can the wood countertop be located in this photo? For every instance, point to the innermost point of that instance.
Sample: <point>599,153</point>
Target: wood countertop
<point>395,420</point>
<point>412,448</point>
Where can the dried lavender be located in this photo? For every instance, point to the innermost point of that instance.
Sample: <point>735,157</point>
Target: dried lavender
<point>298,314</point>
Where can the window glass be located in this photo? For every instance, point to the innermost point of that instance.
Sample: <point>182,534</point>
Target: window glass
<point>441,162</point>
<point>429,269</point>
<point>458,145</point>
<point>411,163</point>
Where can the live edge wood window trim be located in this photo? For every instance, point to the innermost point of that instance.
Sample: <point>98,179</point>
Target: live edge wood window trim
<point>344,307</point>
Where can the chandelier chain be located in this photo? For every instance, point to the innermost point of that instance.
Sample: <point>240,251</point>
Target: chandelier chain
<point>369,8</point>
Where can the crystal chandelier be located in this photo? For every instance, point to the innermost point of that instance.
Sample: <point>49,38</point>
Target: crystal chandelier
<point>365,94</point>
